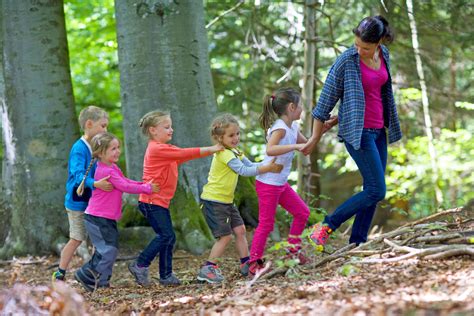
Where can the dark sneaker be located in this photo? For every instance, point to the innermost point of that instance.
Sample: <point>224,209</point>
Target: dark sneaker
<point>171,280</point>
<point>57,276</point>
<point>140,273</point>
<point>244,268</point>
<point>87,278</point>
<point>298,254</point>
<point>211,274</point>
<point>258,266</point>
<point>319,236</point>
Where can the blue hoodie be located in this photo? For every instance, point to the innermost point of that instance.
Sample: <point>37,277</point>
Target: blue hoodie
<point>79,160</point>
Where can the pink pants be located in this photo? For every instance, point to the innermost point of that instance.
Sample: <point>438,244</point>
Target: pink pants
<point>269,196</point>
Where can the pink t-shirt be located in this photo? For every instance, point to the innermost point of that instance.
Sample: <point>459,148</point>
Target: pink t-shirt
<point>109,204</point>
<point>372,82</point>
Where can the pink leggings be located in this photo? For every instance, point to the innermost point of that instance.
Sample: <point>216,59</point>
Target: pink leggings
<point>269,196</point>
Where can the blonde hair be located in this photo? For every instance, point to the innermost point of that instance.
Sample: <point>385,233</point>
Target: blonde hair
<point>219,125</point>
<point>101,142</point>
<point>151,119</point>
<point>92,113</point>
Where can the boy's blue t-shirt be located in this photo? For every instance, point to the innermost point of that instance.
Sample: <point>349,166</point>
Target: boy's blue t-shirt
<point>79,160</point>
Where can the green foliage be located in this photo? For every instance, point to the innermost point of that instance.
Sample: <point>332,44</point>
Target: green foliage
<point>409,174</point>
<point>347,270</point>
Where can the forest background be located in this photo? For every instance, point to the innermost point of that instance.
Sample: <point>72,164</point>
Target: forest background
<point>253,48</point>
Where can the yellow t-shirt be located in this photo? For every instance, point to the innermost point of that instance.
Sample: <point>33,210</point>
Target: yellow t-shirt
<point>222,180</point>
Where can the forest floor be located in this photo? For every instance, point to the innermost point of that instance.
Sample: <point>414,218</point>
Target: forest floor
<point>413,286</point>
<point>421,268</point>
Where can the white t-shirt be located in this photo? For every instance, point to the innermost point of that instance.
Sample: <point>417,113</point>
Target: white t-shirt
<point>290,138</point>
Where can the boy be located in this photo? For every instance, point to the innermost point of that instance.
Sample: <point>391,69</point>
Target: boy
<point>93,120</point>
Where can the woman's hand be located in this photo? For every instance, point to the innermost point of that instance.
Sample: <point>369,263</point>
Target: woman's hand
<point>333,120</point>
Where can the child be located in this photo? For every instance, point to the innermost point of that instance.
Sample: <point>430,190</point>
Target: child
<point>92,120</point>
<point>217,197</point>
<point>161,166</point>
<point>283,138</point>
<point>103,212</point>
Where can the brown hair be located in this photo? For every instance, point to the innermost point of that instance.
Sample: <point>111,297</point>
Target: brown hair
<point>219,125</point>
<point>92,113</point>
<point>373,29</point>
<point>275,105</point>
<point>151,119</point>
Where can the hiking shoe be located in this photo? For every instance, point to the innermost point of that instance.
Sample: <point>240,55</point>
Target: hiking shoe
<point>244,268</point>
<point>211,274</point>
<point>171,280</point>
<point>87,278</point>
<point>140,273</point>
<point>298,254</point>
<point>257,266</point>
<point>319,236</point>
<point>57,276</point>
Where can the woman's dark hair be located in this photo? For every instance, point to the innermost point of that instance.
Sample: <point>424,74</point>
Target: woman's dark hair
<point>373,29</point>
<point>275,105</point>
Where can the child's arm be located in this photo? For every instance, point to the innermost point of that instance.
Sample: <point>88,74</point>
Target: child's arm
<point>123,184</point>
<point>301,138</point>
<point>204,151</point>
<point>273,147</point>
<point>319,128</point>
<point>247,168</point>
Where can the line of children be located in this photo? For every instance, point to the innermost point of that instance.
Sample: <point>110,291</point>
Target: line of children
<point>217,197</point>
<point>160,169</point>
<point>104,210</point>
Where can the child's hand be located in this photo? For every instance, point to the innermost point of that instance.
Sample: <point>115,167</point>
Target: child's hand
<point>333,120</point>
<point>274,167</point>
<point>104,184</point>
<point>154,187</point>
<point>217,147</point>
<point>299,147</point>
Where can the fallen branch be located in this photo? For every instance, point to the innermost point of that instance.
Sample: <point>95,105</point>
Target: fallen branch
<point>436,215</point>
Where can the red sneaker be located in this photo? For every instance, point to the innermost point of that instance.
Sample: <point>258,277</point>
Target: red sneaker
<point>258,266</point>
<point>320,234</point>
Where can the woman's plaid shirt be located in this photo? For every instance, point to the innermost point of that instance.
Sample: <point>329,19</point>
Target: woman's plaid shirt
<point>344,82</point>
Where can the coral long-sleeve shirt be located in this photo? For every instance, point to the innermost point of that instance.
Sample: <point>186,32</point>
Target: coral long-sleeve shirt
<point>160,166</point>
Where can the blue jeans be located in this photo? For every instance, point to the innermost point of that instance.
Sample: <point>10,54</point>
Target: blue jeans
<point>160,220</point>
<point>371,159</point>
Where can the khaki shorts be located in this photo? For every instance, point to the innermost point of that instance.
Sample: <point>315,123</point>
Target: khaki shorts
<point>77,230</point>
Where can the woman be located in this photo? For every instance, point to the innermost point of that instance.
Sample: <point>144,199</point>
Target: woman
<point>360,78</point>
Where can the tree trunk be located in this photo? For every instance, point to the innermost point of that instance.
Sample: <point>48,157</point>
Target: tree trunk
<point>308,175</point>
<point>164,64</point>
<point>38,124</point>
<point>425,102</point>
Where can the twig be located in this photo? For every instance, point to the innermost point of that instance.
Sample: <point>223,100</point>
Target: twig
<point>436,215</point>
<point>258,274</point>
<point>437,238</point>
<point>224,13</point>
<point>452,252</point>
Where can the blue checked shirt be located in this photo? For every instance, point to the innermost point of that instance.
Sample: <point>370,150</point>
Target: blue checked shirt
<point>344,82</point>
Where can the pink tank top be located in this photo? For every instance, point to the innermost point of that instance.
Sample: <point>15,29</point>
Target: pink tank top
<point>372,82</point>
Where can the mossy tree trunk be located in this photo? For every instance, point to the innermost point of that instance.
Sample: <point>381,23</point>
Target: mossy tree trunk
<point>38,124</point>
<point>164,64</point>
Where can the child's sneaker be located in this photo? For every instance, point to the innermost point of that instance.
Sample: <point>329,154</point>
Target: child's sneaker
<point>258,267</point>
<point>57,276</point>
<point>297,253</point>
<point>140,273</point>
<point>244,268</point>
<point>87,278</point>
<point>171,280</point>
<point>319,236</point>
<point>211,274</point>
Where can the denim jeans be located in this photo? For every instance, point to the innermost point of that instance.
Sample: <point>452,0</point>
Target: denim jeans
<point>371,159</point>
<point>160,220</point>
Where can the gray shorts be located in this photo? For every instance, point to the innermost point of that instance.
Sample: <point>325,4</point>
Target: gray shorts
<point>221,218</point>
<point>77,230</point>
